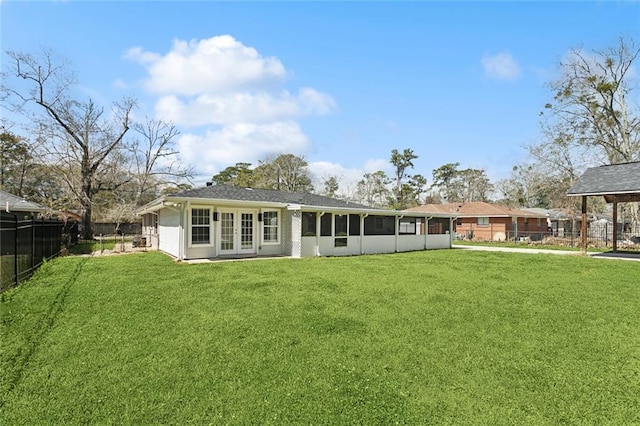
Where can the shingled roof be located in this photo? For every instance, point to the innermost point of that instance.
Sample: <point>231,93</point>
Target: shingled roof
<point>225,192</point>
<point>619,181</point>
<point>14,203</point>
<point>474,209</point>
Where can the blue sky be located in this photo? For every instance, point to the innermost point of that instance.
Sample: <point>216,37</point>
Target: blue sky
<point>341,83</point>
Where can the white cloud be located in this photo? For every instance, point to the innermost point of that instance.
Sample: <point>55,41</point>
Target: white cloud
<point>501,66</point>
<point>240,142</point>
<point>234,90</point>
<point>261,107</point>
<point>215,65</point>
<point>347,177</point>
<point>374,164</point>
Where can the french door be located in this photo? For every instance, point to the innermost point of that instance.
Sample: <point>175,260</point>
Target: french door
<point>237,232</point>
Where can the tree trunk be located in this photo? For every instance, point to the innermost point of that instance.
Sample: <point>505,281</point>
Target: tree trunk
<point>87,207</point>
<point>87,230</point>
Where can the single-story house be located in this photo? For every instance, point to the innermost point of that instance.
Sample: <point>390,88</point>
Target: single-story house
<point>560,222</point>
<point>219,221</point>
<point>10,203</point>
<point>490,222</point>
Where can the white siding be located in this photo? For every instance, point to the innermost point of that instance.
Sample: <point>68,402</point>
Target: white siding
<point>439,241</point>
<point>378,244</point>
<point>308,247</point>
<point>410,242</point>
<point>169,231</point>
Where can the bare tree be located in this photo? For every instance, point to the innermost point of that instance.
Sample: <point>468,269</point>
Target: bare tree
<point>594,117</point>
<point>591,102</point>
<point>75,135</point>
<point>156,159</point>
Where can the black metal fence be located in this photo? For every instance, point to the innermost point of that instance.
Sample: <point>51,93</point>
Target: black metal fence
<point>26,243</point>
<point>598,235</point>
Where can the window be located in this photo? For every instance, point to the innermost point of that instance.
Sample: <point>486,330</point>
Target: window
<point>483,221</point>
<point>354,224</point>
<point>200,226</point>
<point>270,227</point>
<point>379,225</point>
<point>309,224</point>
<point>325,225</point>
<point>340,230</point>
<point>538,222</point>
<point>341,225</point>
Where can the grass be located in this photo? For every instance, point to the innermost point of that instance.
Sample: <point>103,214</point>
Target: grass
<point>88,247</point>
<point>533,245</point>
<point>439,337</point>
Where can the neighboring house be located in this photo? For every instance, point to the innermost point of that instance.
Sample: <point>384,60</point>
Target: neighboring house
<point>226,221</point>
<point>10,203</point>
<point>483,221</point>
<point>69,216</point>
<point>561,222</point>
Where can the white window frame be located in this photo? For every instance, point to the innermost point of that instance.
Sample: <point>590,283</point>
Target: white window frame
<point>210,225</point>
<point>483,221</point>
<point>277,226</point>
<point>408,225</point>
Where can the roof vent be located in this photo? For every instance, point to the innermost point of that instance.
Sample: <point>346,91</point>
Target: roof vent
<point>209,183</point>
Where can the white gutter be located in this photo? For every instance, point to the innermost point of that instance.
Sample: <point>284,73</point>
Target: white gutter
<point>318,228</point>
<point>365,210</point>
<point>426,229</point>
<point>362,218</point>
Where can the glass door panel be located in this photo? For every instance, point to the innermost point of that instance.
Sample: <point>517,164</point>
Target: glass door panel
<point>246,231</point>
<point>227,231</point>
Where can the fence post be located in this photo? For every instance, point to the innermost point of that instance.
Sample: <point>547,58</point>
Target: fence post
<point>15,252</point>
<point>33,243</point>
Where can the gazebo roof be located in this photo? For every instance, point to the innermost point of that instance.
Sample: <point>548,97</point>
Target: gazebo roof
<point>617,182</point>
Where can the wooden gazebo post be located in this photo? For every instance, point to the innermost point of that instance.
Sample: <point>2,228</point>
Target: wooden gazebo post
<point>615,225</point>
<point>583,225</point>
<point>617,183</point>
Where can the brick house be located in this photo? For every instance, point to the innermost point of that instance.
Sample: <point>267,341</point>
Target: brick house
<point>490,222</point>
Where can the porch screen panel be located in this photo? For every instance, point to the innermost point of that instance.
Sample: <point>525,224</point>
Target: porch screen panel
<point>438,225</point>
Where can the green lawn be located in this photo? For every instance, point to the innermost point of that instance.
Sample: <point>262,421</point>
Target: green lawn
<point>529,245</point>
<point>88,247</point>
<point>437,337</point>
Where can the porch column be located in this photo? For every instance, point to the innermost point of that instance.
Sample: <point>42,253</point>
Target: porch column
<point>615,224</point>
<point>318,222</point>
<point>583,230</point>
<point>362,217</point>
